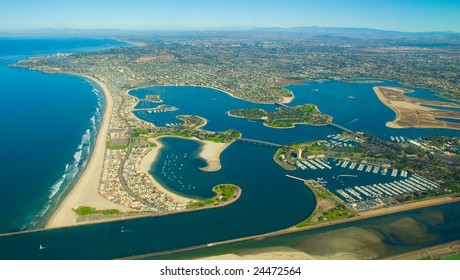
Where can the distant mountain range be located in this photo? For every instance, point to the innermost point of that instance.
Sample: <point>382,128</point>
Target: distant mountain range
<point>302,31</point>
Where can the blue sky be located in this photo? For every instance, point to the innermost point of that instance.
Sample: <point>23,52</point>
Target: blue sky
<point>401,15</point>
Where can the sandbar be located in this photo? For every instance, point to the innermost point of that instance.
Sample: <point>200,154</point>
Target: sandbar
<point>210,152</point>
<point>270,253</point>
<point>410,111</point>
<point>85,192</point>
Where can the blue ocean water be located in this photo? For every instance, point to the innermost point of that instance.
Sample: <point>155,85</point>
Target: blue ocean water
<point>48,126</point>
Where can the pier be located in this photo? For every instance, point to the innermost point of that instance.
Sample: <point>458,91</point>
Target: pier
<point>341,127</point>
<point>259,142</point>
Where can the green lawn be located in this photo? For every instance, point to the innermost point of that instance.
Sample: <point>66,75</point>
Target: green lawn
<point>451,257</point>
<point>223,193</point>
<point>86,210</point>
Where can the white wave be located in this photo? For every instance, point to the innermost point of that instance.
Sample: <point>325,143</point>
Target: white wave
<point>85,140</point>
<point>77,156</point>
<point>55,188</point>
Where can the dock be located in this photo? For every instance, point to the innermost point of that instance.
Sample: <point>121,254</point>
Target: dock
<point>413,184</point>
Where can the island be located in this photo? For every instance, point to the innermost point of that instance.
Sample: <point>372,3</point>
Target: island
<point>285,116</point>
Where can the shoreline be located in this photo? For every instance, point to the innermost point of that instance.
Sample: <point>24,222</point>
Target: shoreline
<point>390,124</point>
<point>214,88</point>
<point>209,152</point>
<point>402,107</point>
<point>146,164</point>
<point>440,250</point>
<point>85,191</point>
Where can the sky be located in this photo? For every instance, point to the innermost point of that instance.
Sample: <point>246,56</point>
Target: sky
<point>398,15</point>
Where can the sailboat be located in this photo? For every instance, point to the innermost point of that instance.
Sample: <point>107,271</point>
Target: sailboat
<point>41,247</point>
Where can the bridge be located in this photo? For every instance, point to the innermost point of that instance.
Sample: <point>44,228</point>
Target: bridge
<point>258,142</point>
<point>281,104</point>
<point>145,109</point>
<point>341,127</point>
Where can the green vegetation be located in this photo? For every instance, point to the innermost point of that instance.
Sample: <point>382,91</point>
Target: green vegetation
<point>86,210</point>
<point>279,157</point>
<point>307,222</point>
<point>328,206</point>
<point>140,131</point>
<point>191,121</point>
<point>286,93</point>
<point>154,98</point>
<point>426,258</point>
<point>223,136</point>
<point>114,146</point>
<point>223,192</point>
<point>285,117</point>
<point>451,257</point>
<point>249,113</point>
<point>335,214</point>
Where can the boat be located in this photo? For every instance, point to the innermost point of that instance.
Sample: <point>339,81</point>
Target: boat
<point>41,247</point>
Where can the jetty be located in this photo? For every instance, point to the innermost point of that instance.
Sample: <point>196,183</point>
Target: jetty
<point>296,178</point>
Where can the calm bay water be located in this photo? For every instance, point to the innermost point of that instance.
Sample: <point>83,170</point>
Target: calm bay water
<point>48,125</point>
<point>374,238</point>
<point>270,201</point>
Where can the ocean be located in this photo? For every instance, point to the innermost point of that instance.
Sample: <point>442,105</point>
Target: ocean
<point>49,124</point>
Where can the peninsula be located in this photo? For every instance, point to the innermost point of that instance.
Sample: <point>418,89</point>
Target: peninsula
<point>413,112</point>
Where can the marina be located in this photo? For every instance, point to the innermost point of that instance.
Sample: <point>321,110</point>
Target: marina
<point>375,195</point>
<point>313,164</point>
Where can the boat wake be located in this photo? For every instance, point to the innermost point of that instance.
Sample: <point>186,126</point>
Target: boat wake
<point>353,121</point>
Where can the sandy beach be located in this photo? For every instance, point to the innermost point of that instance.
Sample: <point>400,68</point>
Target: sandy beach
<point>387,103</point>
<point>287,100</point>
<point>272,253</point>
<point>410,111</point>
<point>86,191</point>
<point>210,152</point>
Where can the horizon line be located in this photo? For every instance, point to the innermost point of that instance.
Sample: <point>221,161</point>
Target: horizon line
<point>201,29</point>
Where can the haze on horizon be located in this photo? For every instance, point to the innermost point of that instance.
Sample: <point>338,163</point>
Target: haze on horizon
<point>397,15</point>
